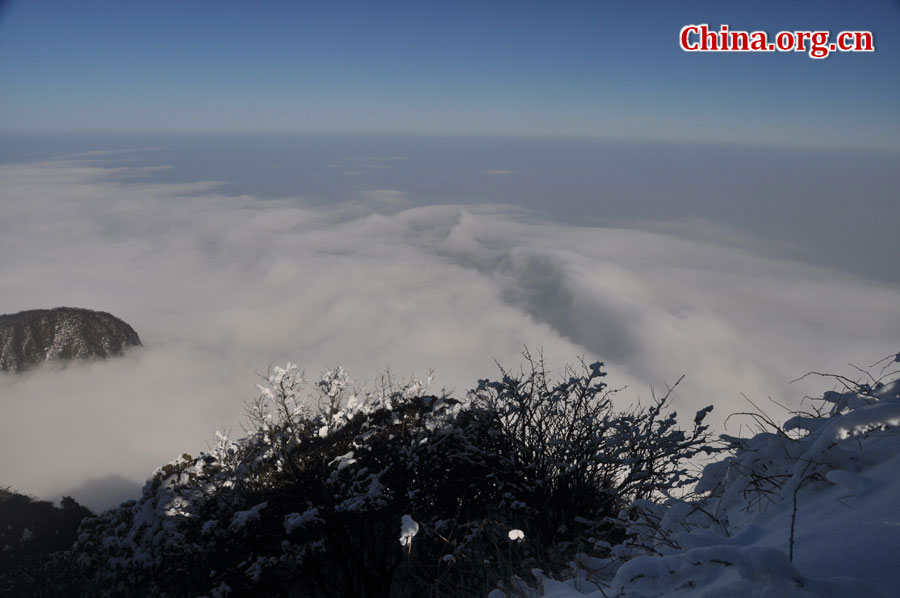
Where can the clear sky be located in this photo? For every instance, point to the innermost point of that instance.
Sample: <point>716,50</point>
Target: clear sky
<point>599,69</point>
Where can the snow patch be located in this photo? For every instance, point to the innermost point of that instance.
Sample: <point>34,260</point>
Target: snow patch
<point>408,529</point>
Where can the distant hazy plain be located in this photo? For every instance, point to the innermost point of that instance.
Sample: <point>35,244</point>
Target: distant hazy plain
<point>838,208</point>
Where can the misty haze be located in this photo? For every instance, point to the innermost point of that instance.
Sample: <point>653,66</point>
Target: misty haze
<point>222,283</point>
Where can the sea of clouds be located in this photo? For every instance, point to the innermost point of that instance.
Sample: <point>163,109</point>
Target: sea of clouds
<point>222,286</point>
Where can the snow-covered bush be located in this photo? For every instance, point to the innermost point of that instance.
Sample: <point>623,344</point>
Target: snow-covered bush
<point>568,436</point>
<point>310,502</point>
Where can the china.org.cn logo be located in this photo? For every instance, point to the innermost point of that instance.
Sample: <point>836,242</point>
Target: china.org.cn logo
<point>817,44</point>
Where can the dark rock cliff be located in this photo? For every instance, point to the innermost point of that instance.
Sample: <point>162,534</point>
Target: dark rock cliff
<point>32,337</point>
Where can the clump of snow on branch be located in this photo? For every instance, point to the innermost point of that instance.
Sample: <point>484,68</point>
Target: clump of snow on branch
<point>408,529</point>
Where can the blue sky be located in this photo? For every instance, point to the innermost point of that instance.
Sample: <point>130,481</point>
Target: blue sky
<point>596,69</point>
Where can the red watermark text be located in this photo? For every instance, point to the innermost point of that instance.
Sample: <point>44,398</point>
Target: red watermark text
<point>818,44</point>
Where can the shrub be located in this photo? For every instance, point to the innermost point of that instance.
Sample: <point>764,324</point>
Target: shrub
<point>311,501</point>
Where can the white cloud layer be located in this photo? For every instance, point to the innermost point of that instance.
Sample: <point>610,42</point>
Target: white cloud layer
<point>220,287</point>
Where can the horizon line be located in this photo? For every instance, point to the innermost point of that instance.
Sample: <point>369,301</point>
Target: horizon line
<point>755,143</point>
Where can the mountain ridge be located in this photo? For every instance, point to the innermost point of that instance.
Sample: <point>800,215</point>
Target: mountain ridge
<point>31,337</point>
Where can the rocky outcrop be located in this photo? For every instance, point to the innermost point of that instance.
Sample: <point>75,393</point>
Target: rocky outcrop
<point>38,335</point>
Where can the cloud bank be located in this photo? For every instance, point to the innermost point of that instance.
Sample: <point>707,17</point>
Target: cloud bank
<point>220,287</point>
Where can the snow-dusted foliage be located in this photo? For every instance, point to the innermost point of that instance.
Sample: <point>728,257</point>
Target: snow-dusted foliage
<point>808,509</point>
<point>310,502</point>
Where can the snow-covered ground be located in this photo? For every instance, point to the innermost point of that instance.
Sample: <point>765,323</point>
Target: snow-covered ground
<point>826,481</point>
